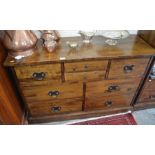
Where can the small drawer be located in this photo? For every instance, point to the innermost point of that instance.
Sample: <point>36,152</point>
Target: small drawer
<point>111,87</point>
<point>86,66</point>
<point>54,108</point>
<point>53,92</point>
<point>85,76</point>
<point>107,102</point>
<point>126,68</point>
<point>39,72</point>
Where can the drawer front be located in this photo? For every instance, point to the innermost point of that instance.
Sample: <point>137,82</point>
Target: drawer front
<point>111,87</point>
<point>54,108</point>
<point>108,102</point>
<point>39,72</point>
<point>53,92</point>
<point>125,68</point>
<point>85,76</point>
<point>148,93</point>
<point>86,66</point>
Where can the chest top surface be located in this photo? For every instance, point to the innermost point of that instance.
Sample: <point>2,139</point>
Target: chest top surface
<point>133,46</point>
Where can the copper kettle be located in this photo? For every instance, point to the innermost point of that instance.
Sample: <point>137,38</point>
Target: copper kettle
<point>20,42</point>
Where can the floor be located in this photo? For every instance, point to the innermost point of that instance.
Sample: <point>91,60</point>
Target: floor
<point>142,117</point>
<point>145,117</point>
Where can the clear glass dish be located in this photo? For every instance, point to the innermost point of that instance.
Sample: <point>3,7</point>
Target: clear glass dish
<point>112,37</point>
<point>87,36</point>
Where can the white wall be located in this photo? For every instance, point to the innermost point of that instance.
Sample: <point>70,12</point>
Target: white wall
<point>69,33</point>
<point>65,33</point>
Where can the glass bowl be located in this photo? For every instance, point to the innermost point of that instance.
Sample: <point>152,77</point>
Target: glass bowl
<point>112,37</point>
<point>87,36</point>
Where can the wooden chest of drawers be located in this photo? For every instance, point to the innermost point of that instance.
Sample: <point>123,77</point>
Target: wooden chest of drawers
<point>93,80</point>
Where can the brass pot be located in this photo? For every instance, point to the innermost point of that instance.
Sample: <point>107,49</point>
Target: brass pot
<point>20,42</point>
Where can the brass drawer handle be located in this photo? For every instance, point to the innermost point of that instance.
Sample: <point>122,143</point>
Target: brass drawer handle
<point>56,109</point>
<point>113,89</point>
<point>108,103</point>
<point>39,76</point>
<point>128,68</point>
<point>53,93</point>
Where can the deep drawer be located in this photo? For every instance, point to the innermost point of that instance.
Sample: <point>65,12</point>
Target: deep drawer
<point>39,72</point>
<point>53,92</point>
<point>111,87</point>
<point>108,102</point>
<point>54,108</point>
<point>126,68</point>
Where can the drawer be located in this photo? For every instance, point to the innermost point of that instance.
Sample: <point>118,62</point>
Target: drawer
<point>148,92</point>
<point>85,76</point>
<point>112,87</point>
<point>53,92</point>
<point>86,66</point>
<point>54,108</point>
<point>150,84</point>
<point>125,68</point>
<point>108,102</point>
<point>39,72</point>
<point>147,96</point>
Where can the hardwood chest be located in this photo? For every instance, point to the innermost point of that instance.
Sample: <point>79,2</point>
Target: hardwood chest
<point>93,80</point>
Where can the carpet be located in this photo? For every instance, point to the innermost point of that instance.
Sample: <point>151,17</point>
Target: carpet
<point>123,119</point>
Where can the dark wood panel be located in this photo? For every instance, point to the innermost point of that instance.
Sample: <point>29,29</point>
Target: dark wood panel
<point>128,68</point>
<point>11,111</point>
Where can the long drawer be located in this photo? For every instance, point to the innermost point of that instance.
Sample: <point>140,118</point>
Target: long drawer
<point>128,68</point>
<point>86,66</point>
<point>52,92</point>
<point>54,108</point>
<point>85,76</point>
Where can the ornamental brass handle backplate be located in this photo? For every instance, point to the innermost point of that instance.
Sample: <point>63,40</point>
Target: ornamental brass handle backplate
<point>56,109</point>
<point>54,93</point>
<point>108,103</point>
<point>128,68</point>
<point>39,76</point>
